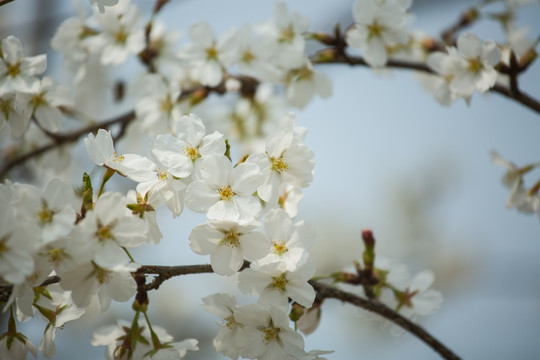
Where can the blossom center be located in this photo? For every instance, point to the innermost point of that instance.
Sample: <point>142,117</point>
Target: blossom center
<point>475,65</point>
<point>102,275</point>
<point>248,57</point>
<point>38,100</point>
<point>225,192</point>
<point>279,165</point>
<point>120,37</point>
<point>117,158</point>
<point>104,233</point>
<point>279,247</point>
<point>3,246</point>
<point>286,34</point>
<point>192,152</point>
<point>269,334</point>
<point>211,53</point>
<point>162,175</point>
<point>231,239</point>
<point>45,215</point>
<point>167,105</point>
<point>56,255</point>
<point>279,282</point>
<point>5,108</point>
<point>374,30</point>
<point>230,322</point>
<point>14,69</point>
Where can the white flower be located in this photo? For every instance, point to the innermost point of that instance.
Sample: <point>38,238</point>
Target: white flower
<point>286,32</point>
<point>304,82</point>
<point>17,73</point>
<point>18,241</point>
<point>164,188</point>
<point>88,279</point>
<point>267,334</point>
<point>180,154</point>
<point>229,243</point>
<point>275,286</point>
<point>102,3</point>
<point>519,197</point>
<point>175,350</point>
<point>230,336</point>
<point>158,106</point>
<point>24,293</point>
<point>113,337</point>
<point>11,112</point>
<point>109,227</point>
<point>16,347</point>
<point>57,311</point>
<point>100,149</point>
<point>470,66</point>
<point>254,55</point>
<point>52,211</point>
<point>144,208</point>
<point>121,34</point>
<point>420,299</point>
<point>45,102</point>
<point>289,200</point>
<point>289,241</point>
<point>285,161</point>
<point>162,47</point>
<point>225,192</point>
<point>379,24</point>
<point>206,55</point>
<point>71,39</point>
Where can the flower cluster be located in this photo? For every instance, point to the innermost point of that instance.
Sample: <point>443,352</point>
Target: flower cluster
<point>24,96</point>
<point>62,250</point>
<point>526,200</point>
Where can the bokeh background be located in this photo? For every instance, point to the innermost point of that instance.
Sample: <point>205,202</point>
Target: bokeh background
<point>388,158</point>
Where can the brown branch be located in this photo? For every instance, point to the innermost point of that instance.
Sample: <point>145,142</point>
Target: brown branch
<point>5,2</point>
<point>62,139</point>
<point>326,291</point>
<point>519,96</point>
<point>323,291</point>
<point>195,95</point>
<point>166,272</point>
<point>465,20</point>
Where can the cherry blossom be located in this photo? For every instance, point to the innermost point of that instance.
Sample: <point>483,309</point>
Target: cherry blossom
<point>225,192</point>
<point>18,73</point>
<point>101,151</point>
<point>267,334</point>
<point>229,243</point>
<point>379,24</point>
<point>275,286</point>
<point>470,66</point>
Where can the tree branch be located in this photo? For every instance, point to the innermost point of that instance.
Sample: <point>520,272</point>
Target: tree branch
<point>4,2</point>
<point>326,291</point>
<point>519,96</point>
<point>323,291</point>
<point>62,139</point>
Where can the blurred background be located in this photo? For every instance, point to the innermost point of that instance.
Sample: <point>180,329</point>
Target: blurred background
<point>388,158</point>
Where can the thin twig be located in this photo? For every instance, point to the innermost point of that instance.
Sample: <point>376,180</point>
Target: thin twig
<point>520,96</point>
<point>466,19</point>
<point>62,139</point>
<point>4,2</point>
<point>326,291</point>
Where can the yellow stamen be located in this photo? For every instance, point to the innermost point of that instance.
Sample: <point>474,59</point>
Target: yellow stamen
<point>225,192</point>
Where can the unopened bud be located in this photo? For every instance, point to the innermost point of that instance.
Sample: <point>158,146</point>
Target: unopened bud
<point>326,55</point>
<point>527,58</point>
<point>367,236</point>
<point>198,96</point>
<point>323,38</point>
